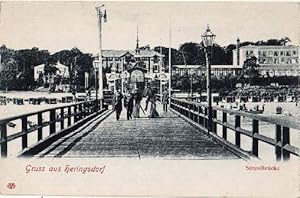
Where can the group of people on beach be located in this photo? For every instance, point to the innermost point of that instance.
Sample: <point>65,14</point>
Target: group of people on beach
<point>132,102</point>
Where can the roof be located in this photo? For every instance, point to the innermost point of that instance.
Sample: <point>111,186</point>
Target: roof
<point>58,64</point>
<point>270,46</point>
<point>281,67</point>
<point>212,66</point>
<point>120,53</point>
<point>187,66</point>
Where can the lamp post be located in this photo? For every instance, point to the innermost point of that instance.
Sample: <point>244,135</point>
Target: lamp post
<point>100,15</point>
<point>208,40</point>
<point>160,72</point>
<point>95,64</point>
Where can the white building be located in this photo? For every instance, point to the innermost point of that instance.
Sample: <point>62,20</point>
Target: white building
<point>200,70</point>
<point>273,60</point>
<point>62,70</point>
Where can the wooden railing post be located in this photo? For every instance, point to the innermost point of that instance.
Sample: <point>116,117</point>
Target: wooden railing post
<point>205,119</point>
<point>255,130</point>
<point>62,122</point>
<point>189,111</point>
<point>3,129</point>
<point>278,151</point>
<point>52,121</point>
<point>224,120</point>
<point>285,141</point>
<point>214,129</point>
<point>75,112</point>
<point>237,134</point>
<point>40,123</point>
<point>69,115</point>
<point>80,111</point>
<point>24,129</point>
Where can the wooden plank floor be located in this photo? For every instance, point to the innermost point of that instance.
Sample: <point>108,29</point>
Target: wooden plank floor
<point>167,137</point>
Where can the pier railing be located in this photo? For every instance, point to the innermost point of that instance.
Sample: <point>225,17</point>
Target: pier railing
<point>198,114</point>
<point>56,119</point>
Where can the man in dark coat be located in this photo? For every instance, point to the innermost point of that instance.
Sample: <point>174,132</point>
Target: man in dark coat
<point>128,103</point>
<point>117,103</point>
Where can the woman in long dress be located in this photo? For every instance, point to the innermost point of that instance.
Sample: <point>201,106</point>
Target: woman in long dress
<point>153,111</point>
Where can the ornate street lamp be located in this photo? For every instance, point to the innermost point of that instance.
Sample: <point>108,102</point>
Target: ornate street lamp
<point>100,15</point>
<point>208,41</point>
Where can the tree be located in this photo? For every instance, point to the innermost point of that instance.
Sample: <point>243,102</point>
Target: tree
<point>284,41</point>
<point>250,69</point>
<point>8,74</point>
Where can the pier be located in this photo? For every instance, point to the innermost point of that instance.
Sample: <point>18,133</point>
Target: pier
<point>88,130</point>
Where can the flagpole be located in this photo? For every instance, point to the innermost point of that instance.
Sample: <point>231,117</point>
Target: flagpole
<point>170,70</point>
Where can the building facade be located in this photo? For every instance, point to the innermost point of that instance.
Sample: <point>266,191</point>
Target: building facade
<point>118,61</point>
<point>272,60</point>
<point>200,70</point>
<point>62,70</point>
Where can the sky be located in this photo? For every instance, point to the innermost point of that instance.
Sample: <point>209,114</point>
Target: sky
<point>63,25</point>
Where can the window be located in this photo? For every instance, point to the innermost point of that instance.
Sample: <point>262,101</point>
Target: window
<point>294,52</point>
<point>155,68</point>
<point>288,53</point>
<point>270,53</point>
<point>275,53</point>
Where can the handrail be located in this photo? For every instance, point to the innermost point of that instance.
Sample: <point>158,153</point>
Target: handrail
<point>40,111</point>
<point>198,113</point>
<point>77,111</point>
<point>295,124</point>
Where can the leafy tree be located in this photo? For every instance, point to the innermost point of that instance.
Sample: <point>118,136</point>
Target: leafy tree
<point>8,74</point>
<point>250,69</point>
<point>284,41</point>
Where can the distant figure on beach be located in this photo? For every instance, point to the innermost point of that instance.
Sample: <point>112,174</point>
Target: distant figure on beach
<point>74,95</point>
<point>117,103</point>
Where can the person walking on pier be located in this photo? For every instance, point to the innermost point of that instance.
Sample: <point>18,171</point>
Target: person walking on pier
<point>128,104</point>
<point>153,111</point>
<point>165,98</point>
<point>137,103</point>
<point>117,103</point>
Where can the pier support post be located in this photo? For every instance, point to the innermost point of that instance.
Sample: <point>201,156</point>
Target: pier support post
<point>278,141</point>
<point>3,129</point>
<point>285,141</point>
<point>24,129</point>
<point>237,134</point>
<point>255,130</point>
<point>224,120</point>
<point>40,123</point>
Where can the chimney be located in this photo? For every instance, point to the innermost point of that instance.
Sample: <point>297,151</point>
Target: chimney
<point>238,51</point>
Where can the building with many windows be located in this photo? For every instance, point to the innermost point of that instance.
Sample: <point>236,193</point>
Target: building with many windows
<point>268,55</point>
<point>272,60</point>
<point>119,63</point>
<point>200,70</point>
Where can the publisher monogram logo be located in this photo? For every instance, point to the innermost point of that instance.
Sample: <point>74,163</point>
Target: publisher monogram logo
<point>11,185</point>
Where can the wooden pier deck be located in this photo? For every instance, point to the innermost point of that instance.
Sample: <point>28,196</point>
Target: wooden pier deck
<point>167,137</point>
